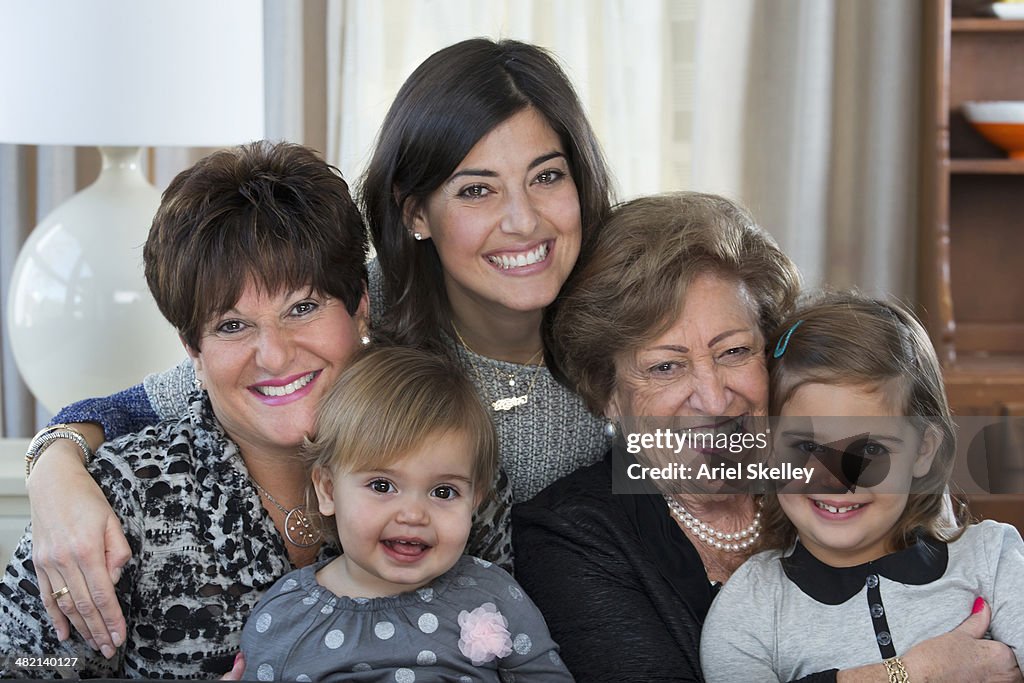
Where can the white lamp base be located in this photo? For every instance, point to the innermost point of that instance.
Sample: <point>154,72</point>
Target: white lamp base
<point>81,319</point>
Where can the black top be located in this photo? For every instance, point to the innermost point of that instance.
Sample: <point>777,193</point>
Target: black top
<point>623,590</point>
<point>923,562</point>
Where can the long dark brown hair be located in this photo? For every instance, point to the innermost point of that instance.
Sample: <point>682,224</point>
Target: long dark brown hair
<point>454,98</point>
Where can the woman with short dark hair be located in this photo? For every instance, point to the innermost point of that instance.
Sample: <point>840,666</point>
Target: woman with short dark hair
<point>257,257</point>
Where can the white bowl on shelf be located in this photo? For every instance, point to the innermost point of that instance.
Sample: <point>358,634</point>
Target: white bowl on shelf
<point>1000,122</point>
<point>1008,10</point>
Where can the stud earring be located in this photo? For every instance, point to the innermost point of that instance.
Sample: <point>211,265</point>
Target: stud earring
<point>198,383</point>
<point>609,429</point>
<point>418,236</point>
<point>364,340</point>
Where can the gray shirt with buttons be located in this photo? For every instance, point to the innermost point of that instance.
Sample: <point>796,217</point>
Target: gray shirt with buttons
<point>779,621</point>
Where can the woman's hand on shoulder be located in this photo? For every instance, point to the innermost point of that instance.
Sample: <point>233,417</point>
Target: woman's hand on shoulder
<point>77,543</point>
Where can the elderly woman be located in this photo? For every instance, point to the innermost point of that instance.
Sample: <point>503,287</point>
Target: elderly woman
<point>668,317</point>
<point>257,257</point>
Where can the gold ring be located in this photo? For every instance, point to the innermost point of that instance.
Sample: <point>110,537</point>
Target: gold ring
<point>63,591</point>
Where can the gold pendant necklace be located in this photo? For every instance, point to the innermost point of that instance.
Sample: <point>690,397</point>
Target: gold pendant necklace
<point>298,529</point>
<point>508,402</point>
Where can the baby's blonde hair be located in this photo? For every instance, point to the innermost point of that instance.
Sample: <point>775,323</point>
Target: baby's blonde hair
<point>388,401</point>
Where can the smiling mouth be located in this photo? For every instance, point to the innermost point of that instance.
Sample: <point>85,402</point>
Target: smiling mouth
<point>407,548</point>
<point>837,510</point>
<point>508,262</point>
<point>285,390</point>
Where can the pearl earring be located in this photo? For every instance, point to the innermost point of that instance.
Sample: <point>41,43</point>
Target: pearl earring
<point>609,429</point>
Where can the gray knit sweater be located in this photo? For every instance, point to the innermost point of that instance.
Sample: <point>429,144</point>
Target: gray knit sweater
<point>550,436</point>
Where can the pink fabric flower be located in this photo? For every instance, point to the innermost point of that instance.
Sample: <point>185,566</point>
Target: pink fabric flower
<point>484,634</point>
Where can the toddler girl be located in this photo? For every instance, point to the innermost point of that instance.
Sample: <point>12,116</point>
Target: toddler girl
<point>866,560</point>
<point>402,455</point>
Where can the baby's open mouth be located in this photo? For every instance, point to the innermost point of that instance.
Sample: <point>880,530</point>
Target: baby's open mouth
<point>409,548</point>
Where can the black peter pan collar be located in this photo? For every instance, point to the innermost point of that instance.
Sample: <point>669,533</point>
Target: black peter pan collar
<point>923,562</point>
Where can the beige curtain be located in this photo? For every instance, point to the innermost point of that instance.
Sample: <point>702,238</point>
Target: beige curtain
<point>806,112</point>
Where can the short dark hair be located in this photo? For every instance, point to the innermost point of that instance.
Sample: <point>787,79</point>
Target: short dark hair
<point>275,214</point>
<point>631,287</point>
<point>451,101</point>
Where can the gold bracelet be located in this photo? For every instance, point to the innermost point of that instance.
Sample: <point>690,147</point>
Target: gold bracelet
<point>897,672</point>
<point>41,441</point>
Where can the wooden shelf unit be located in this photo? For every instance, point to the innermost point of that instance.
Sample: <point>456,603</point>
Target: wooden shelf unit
<point>971,260</point>
<point>971,211</point>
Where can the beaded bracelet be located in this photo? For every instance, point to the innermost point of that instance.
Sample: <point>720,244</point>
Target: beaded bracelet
<point>896,671</point>
<point>41,441</point>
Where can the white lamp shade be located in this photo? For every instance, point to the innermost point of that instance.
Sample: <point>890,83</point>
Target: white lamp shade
<point>118,74</point>
<point>131,72</point>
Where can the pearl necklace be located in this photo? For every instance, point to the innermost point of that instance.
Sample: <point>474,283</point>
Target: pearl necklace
<point>731,542</point>
<point>298,528</point>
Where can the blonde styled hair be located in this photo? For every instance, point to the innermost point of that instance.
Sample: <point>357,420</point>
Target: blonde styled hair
<point>385,403</point>
<point>847,338</point>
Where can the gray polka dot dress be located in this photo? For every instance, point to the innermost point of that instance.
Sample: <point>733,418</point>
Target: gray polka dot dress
<point>474,623</point>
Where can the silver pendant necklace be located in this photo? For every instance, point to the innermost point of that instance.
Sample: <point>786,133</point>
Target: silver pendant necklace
<point>733,542</point>
<point>298,529</point>
<point>507,402</point>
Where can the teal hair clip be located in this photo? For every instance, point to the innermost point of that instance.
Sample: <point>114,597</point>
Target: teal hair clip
<point>780,347</point>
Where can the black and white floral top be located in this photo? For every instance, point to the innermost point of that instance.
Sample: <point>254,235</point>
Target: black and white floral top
<point>203,548</point>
